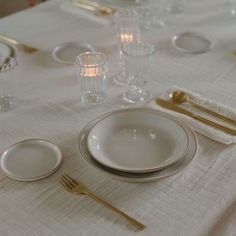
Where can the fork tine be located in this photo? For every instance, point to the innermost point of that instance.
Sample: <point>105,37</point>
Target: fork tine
<point>68,181</point>
<point>72,179</point>
<point>64,185</point>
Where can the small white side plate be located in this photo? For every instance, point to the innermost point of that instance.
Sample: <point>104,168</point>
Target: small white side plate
<point>31,159</point>
<point>5,50</point>
<point>191,42</point>
<point>137,141</point>
<point>67,52</point>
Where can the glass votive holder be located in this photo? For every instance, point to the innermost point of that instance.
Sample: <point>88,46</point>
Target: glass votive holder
<point>127,31</point>
<point>8,84</point>
<point>127,26</point>
<point>91,69</point>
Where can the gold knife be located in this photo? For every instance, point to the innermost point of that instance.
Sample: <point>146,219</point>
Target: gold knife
<point>173,107</point>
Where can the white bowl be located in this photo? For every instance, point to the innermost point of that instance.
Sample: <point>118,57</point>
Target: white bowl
<point>137,140</point>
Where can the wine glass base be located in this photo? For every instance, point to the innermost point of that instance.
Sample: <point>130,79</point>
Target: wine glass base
<point>136,96</point>
<point>121,79</point>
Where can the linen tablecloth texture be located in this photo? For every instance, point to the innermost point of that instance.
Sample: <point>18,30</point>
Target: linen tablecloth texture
<point>201,200</point>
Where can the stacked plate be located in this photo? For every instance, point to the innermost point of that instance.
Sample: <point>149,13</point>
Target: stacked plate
<point>137,145</point>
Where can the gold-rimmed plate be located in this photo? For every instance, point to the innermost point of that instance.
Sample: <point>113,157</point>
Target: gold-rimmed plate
<point>192,42</point>
<point>137,140</point>
<point>137,177</point>
<point>66,53</point>
<point>31,159</point>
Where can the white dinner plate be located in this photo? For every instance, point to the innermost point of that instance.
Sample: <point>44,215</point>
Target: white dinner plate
<point>138,177</point>
<point>191,42</point>
<point>137,140</point>
<point>31,159</point>
<point>67,52</point>
<point>6,50</point>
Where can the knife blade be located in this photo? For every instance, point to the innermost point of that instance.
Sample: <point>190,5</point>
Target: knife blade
<point>168,105</point>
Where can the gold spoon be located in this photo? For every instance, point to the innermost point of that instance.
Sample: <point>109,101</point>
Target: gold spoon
<point>179,97</point>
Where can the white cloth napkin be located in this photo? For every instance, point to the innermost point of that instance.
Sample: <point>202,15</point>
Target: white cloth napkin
<point>69,7</point>
<point>199,127</point>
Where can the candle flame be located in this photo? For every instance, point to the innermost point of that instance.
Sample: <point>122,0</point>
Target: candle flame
<point>91,70</point>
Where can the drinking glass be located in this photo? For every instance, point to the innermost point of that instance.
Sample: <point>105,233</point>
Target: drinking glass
<point>91,68</point>
<point>138,60</point>
<point>8,84</point>
<point>127,31</point>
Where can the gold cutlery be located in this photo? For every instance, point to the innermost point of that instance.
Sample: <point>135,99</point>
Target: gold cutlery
<point>25,47</point>
<point>74,186</point>
<point>173,107</point>
<point>179,97</point>
<point>94,6</point>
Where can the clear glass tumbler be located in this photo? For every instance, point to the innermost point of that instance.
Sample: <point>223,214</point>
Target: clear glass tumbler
<point>127,31</point>
<point>138,60</point>
<point>8,84</point>
<point>91,68</point>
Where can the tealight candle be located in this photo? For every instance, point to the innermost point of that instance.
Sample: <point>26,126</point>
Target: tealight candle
<point>126,37</point>
<point>127,32</point>
<point>91,70</point>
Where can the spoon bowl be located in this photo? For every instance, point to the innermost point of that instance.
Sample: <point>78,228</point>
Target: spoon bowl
<point>179,97</point>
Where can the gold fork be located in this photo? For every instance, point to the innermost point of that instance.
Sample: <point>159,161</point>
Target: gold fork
<point>74,186</point>
<point>25,47</point>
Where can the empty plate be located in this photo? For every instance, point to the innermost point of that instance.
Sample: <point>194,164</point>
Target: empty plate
<point>67,52</point>
<point>31,159</point>
<point>137,177</point>
<point>137,140</point>
<point>191,42</point>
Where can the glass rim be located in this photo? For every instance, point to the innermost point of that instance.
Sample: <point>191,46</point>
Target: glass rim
<point>104,61</point>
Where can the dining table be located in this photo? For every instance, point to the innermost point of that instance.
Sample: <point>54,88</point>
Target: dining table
<point>200,200</point>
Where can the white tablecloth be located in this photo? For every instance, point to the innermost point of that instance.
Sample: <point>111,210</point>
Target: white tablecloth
<point>201,200</point>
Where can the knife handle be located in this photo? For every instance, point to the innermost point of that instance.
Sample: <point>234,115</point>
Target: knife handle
<point>213,113</point>
<point>214,124</point>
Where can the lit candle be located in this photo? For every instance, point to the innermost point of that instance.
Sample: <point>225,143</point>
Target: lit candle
<point>91,70</point>
<point>126,38</point>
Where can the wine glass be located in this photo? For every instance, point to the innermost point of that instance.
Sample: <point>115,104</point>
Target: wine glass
<point>127,31</point>
<point>138,60</point>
